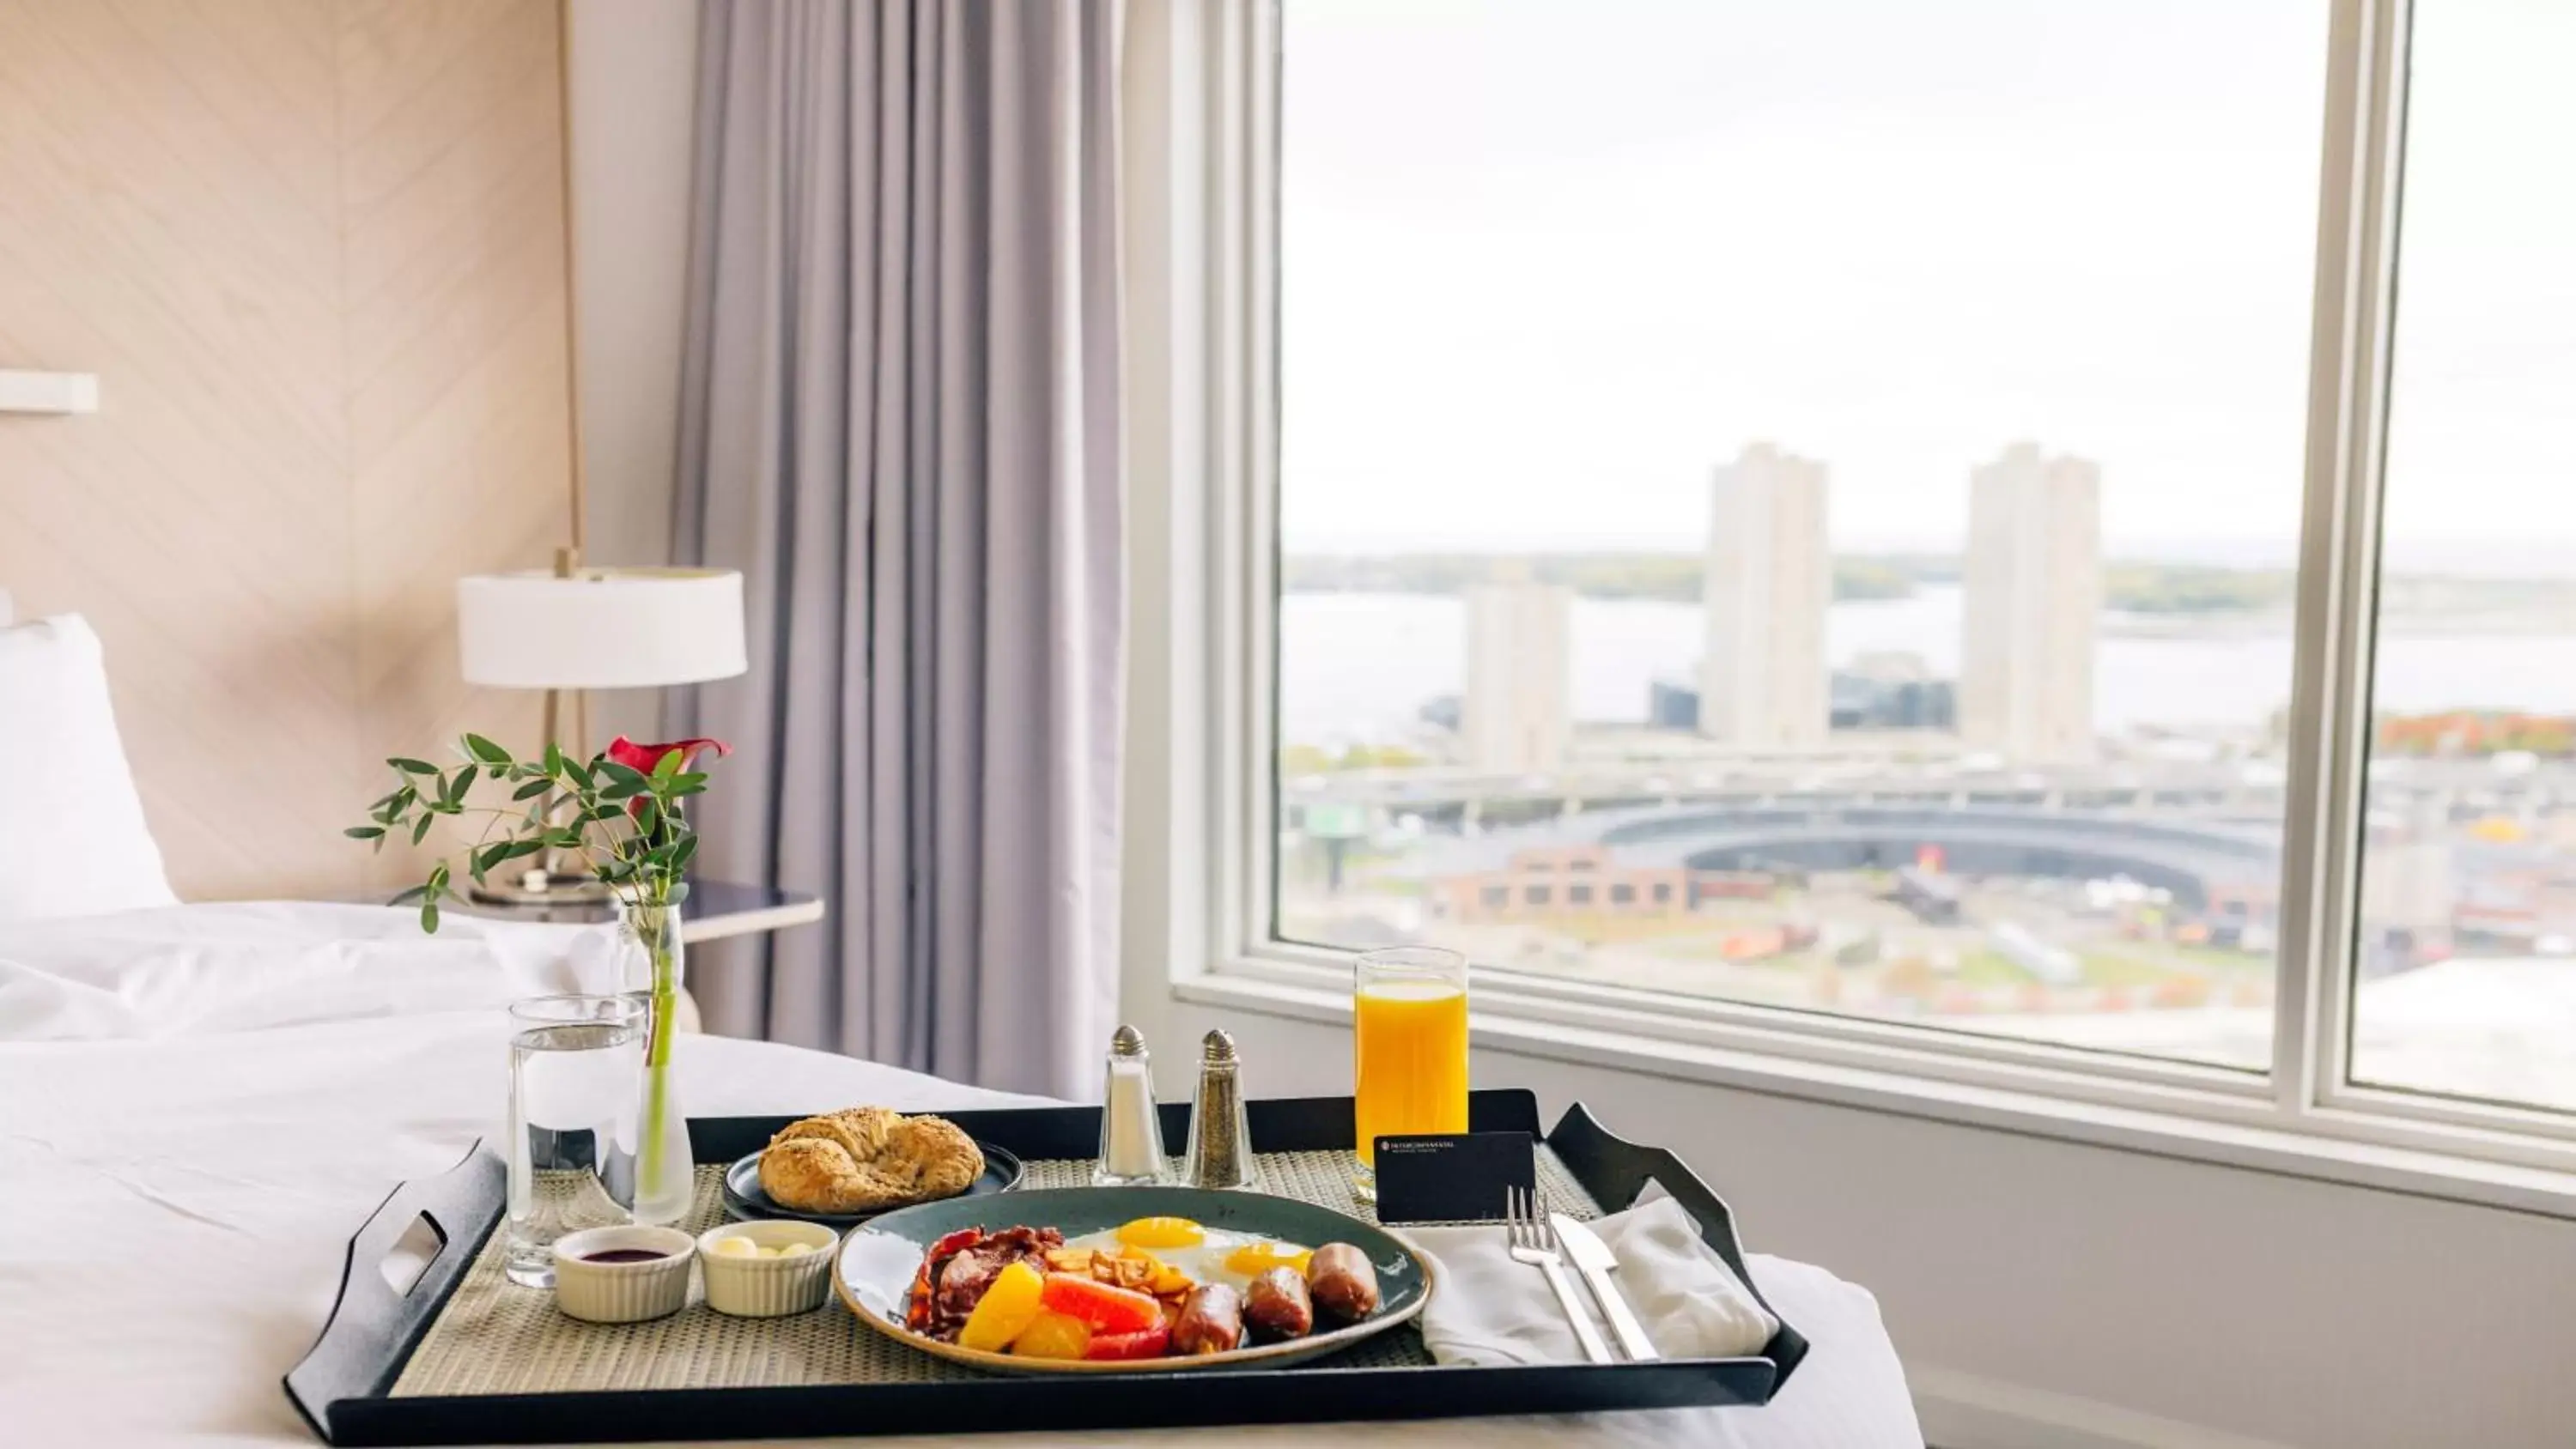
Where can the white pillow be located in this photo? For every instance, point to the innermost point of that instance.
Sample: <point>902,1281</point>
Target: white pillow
<point>72,837</point>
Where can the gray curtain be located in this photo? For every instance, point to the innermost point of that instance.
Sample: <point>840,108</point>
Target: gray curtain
<point>900,421</point>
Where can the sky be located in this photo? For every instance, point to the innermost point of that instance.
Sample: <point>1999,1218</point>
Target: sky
<point>1545,263</point>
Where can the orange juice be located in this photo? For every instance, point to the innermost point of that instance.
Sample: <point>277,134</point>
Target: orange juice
<point>1411,1051</point>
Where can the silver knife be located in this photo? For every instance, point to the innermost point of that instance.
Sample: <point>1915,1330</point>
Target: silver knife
<point>1595,1259</point>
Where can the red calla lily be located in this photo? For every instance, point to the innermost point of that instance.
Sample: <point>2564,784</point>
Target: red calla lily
<point>644,757</point>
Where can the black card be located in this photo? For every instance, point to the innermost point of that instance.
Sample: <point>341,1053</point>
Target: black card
<point>1452,1176</point>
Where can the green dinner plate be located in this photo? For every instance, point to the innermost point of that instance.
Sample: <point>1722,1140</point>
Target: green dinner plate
<point>878,1259</point>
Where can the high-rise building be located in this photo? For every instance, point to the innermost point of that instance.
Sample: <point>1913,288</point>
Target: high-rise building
<point>1770,579</point>
<point>2033,584</point>
<point>1517,714</point>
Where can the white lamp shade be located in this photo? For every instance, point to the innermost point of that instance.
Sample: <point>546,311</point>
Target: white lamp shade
<point>615,628</point>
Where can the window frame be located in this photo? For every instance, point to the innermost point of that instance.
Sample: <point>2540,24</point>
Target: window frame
<point>1207,386</point>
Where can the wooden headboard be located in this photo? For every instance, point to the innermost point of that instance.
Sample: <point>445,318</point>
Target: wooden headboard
<point>314,251</point>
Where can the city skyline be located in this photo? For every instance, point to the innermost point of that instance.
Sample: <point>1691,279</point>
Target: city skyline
<point>2031,582</point>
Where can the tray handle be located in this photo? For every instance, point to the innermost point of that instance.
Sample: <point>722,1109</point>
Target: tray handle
<point>373,1324</point>
<point>1616,1170</point>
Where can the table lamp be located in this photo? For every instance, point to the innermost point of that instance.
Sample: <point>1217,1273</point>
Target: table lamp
<point>582,628</point>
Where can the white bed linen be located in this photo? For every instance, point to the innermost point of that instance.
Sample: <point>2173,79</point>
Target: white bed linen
<point>177,1187</point>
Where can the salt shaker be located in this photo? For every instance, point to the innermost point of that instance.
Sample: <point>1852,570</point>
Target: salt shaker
<point>1131,1135</point>
<point>1220,1140</point>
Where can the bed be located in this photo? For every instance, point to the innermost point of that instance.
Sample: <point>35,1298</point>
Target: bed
<point>198,1104</point>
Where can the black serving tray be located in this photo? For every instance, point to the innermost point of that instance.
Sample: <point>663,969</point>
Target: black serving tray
<point>342,1386</point>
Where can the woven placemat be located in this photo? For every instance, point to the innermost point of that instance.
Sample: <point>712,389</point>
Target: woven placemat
<point>495,1337</point>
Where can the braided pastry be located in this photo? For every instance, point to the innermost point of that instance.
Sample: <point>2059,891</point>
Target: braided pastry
<point>861,1159</point>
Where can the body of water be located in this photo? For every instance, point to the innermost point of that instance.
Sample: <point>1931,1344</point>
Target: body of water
<point>1361,666</point>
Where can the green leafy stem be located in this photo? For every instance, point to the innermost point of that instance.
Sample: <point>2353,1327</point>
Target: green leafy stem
<point>626,826</point>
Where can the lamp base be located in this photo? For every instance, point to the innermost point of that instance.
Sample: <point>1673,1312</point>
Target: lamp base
<point>540,887</point>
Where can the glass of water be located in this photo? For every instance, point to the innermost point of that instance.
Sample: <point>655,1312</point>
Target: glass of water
<point>576,1073</point>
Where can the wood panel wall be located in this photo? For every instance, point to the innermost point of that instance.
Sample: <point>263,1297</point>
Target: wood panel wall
<point>314,250</point>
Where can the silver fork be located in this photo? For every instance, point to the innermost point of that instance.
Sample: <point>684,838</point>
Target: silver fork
<point>1532,1243</point>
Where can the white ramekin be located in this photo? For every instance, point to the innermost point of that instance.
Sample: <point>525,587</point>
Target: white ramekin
<point>622,1292</point>
<point>768,1287</point>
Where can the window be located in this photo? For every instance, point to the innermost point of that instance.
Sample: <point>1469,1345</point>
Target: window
<point>1847,484</point>
<point>1854,450</point>
<point>2465,970</point>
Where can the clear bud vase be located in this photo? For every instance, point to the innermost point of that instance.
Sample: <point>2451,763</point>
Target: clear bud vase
<point>651,960</point>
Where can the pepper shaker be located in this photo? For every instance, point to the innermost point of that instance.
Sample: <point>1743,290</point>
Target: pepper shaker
<point>1220,1139</point>
<point>1131,1134</point>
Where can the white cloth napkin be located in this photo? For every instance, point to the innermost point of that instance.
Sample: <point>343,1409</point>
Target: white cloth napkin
<point>1492,1309</point>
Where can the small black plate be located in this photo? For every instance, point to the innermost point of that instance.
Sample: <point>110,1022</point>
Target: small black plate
<point>745,1198</point>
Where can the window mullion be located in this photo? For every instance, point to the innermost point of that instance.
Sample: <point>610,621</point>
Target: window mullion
<point>1260,413</point>
<point>2338,563</point>
<point>1238,528</point>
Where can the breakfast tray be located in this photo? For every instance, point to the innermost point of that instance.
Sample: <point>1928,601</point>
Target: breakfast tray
<point>461,1356</point>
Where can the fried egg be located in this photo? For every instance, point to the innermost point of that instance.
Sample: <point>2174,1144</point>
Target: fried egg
<point>1207,1255</point>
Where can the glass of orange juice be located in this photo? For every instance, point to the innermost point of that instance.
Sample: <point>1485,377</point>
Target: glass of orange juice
<point>1409,1023</point>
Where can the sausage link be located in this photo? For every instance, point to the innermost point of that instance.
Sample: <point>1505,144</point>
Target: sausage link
<point>1277,1306</point>
<point>1211,1321</point>
<point>1342,1282</point>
